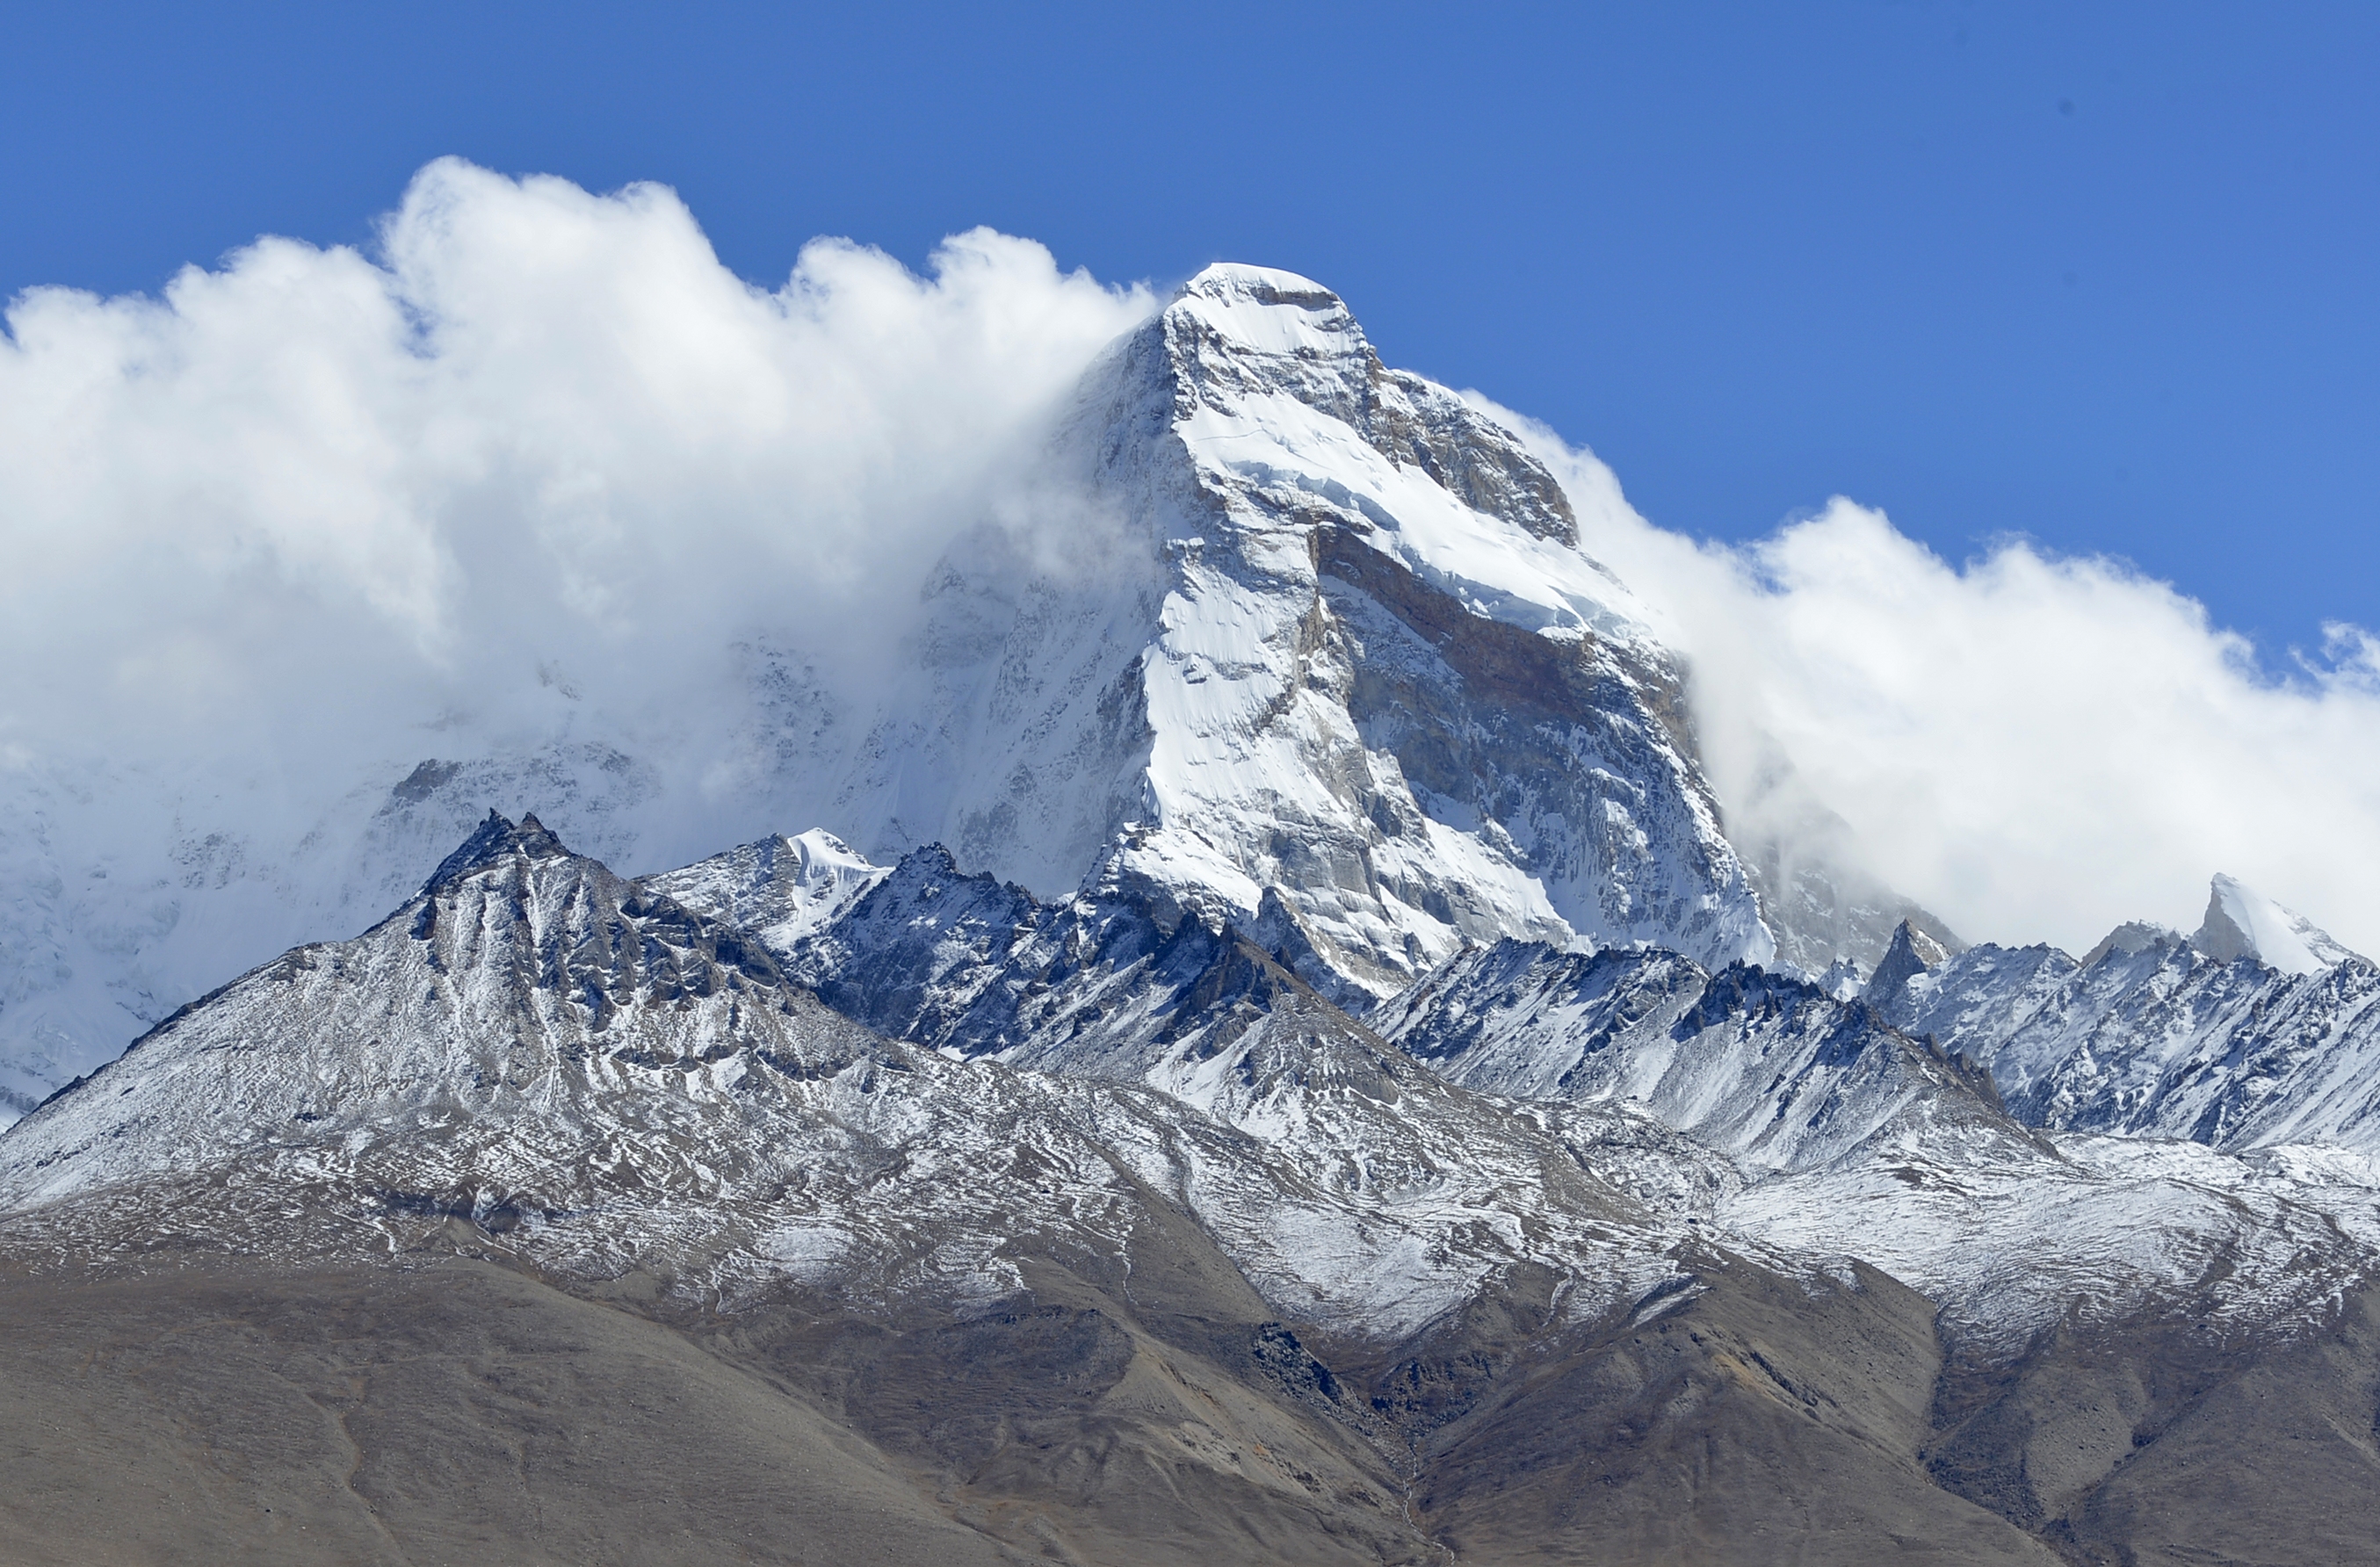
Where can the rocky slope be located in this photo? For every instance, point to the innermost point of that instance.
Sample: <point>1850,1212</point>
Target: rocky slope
<point>2156,1034</point>
<point>1121,1201</point>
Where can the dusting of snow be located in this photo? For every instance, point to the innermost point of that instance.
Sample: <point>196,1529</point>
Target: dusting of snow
<point>596,1077</point>
<point>1311,844</point>
<point>779,889</point>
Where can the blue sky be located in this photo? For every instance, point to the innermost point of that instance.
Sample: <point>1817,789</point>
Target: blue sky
<point>2102,276</point>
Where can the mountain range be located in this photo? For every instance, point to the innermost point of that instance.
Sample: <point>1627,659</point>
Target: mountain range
<point>1264,1048</point>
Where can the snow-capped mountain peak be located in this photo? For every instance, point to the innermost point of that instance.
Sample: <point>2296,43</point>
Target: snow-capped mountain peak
<point>1311,912</point>
<point>1911,954</point>
<point>2241,922</point>
<point>1267,310</point>
<point>781,889</point>
<point>1339,649</point>
<point>1281,639</point>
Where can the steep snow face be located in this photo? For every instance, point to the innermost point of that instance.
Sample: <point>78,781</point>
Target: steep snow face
<point>1337,643</point>
<point>2241,922</point>
<point>2156,1038</point>
<point>1769,1070</point>
<point>1511,738</point>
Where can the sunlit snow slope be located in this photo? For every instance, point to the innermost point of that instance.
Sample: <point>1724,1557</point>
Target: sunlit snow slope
<point>1335,638</point>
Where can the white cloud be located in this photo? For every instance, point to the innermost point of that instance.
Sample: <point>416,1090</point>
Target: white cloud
<point>2037,748</point>
<point>513,487</point>
<point>545,431</point>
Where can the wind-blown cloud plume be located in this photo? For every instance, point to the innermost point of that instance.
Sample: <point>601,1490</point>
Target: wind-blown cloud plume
<point>2038,747</point>
<point>526,488</point>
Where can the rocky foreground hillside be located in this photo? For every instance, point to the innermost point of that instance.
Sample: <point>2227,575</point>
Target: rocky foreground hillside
<point>936,1220</point>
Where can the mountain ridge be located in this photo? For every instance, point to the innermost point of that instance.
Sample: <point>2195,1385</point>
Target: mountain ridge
<point>1335,641</point>
<point>1342,1093</point>
<point>538,1065</point>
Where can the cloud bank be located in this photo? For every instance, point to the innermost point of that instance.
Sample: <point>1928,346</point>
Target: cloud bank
<point>527,451</point>
<point>2037,748</point>
<point>529,468</point>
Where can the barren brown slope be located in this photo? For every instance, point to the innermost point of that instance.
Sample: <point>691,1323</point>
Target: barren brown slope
<point>458,1413</point>
<point>456,1410</point>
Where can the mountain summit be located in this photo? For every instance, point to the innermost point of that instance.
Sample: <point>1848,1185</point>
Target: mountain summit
<point>2241,922</point>
<point>1341,643</point>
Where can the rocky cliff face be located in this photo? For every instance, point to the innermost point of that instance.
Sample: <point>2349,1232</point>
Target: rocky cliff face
<point>1340,645</point>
